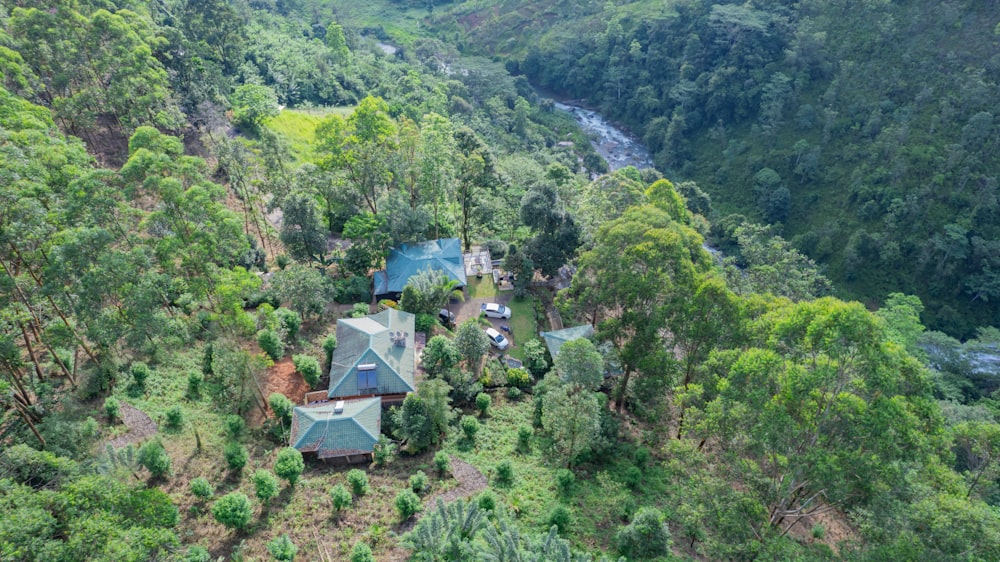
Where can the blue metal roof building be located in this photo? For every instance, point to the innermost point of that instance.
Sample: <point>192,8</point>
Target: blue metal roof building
<point>409,259</point>
<point>375,356</point>
<point>321,429</point>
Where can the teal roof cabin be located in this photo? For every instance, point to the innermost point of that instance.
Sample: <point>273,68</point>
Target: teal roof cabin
<point>337,429</point>
<point>375,356</point>
<point>554,340</point>
<point>409,259</point>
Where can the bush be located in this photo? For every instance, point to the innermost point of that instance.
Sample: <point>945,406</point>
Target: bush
<point>560,517</point>
<point>233,510</point>
<point>483,402</point>
<point>154,458</point>
<point>207,356</point>
<point>175,418</point>
<point>271,343</point>
<point>565,479</point>
<point>487,501</point>
<point>505,473</point>
<point>425,322</point>
<point>497,248</point>
<point>407,504</point>
<point>353,289</point>
<point>642,457</point>
<point>384,451</point>
<point>281,406</point>
<point>236,456</point>
<point>524,434</point>
<point>289,465</point>
<point>514,394</point>
<point>518,377</point>
<point>470,427</point>
<point>418,482</point>
<point>234,426</point>
<point>282,549</point>
<point>265,485</point>
<point>201,489</point>
<point>647,536</point>
<point>633,476</point>
<point>341,497</point>
<point>194,385</point>
<point>282,261</point>
<point>308,367</point>
<point>443,462</point>
<point>290,321</point>
<point>140,373</point>
<point>362,553</point>
<point>197,554</point>
<point>358,481</point>
<point>112,409</point>
<point>329,346</point>
<point>359,310</point>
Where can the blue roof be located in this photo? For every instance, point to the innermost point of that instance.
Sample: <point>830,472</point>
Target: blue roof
<point>384,342</point>
<point>318,428</point>
<point>554,340</point>
<point>408,259</point>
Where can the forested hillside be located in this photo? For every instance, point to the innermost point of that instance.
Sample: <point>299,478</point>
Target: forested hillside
<point>867,130</point>
<point>194,192</point>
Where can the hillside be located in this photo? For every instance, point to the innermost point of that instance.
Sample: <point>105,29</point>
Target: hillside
<point>877,119</point>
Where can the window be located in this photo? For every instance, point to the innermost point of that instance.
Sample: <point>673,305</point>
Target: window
<point>367,381</point>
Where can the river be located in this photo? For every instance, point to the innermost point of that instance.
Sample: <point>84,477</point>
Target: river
<point>618,148</point>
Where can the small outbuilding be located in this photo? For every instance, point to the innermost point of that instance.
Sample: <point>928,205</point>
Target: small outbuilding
<point>346,429</point>
<point>555,339</point>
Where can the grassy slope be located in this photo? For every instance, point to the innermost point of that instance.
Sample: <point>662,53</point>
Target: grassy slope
<point>298,126</point>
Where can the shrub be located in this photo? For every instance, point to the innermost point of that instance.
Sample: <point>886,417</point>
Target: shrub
<point>425,322</point>
<point>234,426</point>
<point>194,385</point>
<point>282,261</point>
<point>647,536</point>
<point>359,310</point>
<point>154,458</point>
<point>565,479</point>
<point>112,409</point>
<point>329,346</point>
<point>271,343</point>
<point>633,476</point>
<point>207,356</point>
<point>505,473</point>
<point>514,394</point>
<point>384,451</point>
<point>289,465</point>
<point>282,549</point>
<point>281,406</point>
<point>233,510</point>
<point>418,482</point>
<point>470,427</point>
<point>290,321</point>
<point>265,485</point>
<point>175,418</point>
<point>487,501</point>
<point>201,489</point>
<point>642,457</point>
<point>483,402</point>
<point>358,481</point>
<point>518,377</point>
<point>197,554</point>
<point>443,462</point>
<point>362,553</point>
<point>341,497</point>
<point>308,366</point>
<point>140,372</point>
<point>524,434</point>
<point>407,504</point>
<point>560,517</point>
<point>236,456</point>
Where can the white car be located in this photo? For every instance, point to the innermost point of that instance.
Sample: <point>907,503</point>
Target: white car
<point>494,310</point>
<point>497,339</point>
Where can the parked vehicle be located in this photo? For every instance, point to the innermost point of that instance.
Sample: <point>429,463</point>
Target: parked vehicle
<point>446,317</point>
<point>494,310</point>
<point>497,339</point>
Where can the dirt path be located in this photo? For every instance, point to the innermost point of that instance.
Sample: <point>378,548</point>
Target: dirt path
<point>140,426</point>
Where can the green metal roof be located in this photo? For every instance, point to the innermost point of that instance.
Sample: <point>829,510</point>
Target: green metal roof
<point>555,339</point>
<point>409,259</point>
<point>317,428</point>
<point>373,340</point>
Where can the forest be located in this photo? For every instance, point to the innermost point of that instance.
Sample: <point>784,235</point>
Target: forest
<point>195,194</point>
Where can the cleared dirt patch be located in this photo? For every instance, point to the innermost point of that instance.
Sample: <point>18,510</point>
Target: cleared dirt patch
<point>282,378</point>
<point>140,426</point>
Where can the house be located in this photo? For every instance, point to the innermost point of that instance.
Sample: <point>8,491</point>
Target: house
<point>554,340</point>
<point>409,259</point>
<point>346,429</point>
<point>375,356</point>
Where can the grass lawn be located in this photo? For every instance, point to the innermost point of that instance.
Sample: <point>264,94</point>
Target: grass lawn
<point>522,318</point>
<point>298,126</point>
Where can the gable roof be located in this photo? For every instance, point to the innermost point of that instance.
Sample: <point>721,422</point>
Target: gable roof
<point>374,340</point>
<point>408,259</point>
<point>317,428</point>
<point>554,340</point>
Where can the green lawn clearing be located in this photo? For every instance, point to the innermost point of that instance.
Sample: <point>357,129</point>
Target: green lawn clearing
<point>298,126</point>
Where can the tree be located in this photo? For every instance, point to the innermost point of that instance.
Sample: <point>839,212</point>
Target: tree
<point>424,416</point>
<point>233,510</point>
<point>301,232</point>
<point>304,288</point>
<point>254,105</point>
<point>289,465</point>
<point>572,419</point>
<point>647,536</point>
<point>370,243</point>
<point>308,366</point>
<point>472,343</point>
<point>282,548</point>
<point>362,553</point>
<point>429,291</point>
<point>407,504</point>
<point>340,497</point>
<point>579,364</point>
<point>358,481</point>
<point>557,234</point>
<point>265,485</point>
<point>153,457</point>
<point>281,406</point>
<point>236,456</point>
<point>270,342</point>
<point>336,42</point>
<point>440,356</point>
<point>977,452</point>
<point>771,265</point>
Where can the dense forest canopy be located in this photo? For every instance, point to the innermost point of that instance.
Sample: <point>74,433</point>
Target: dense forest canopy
<point>193,192</point>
